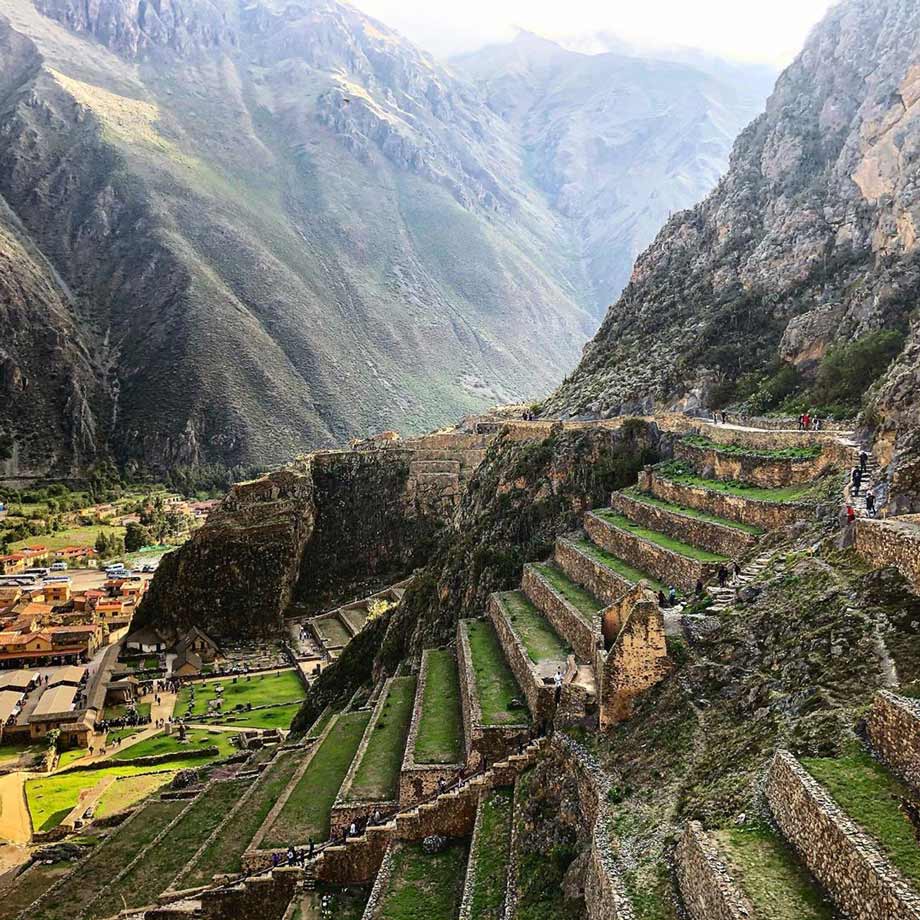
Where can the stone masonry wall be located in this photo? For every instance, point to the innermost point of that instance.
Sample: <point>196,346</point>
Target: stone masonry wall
<point>841,856</point>
<point>717,538</point>
<point>768,515</point>
<point>666,566</point>
<point>891,542</point>
<point>601,581</point>
<point>706,884</point>
<point>893,727</point>
<point>750,468</point>
<point>583,636</point>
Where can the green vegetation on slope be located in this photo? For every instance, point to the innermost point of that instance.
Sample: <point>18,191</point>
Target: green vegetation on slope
<point>660,539</point>
<point>772,876</point>
<point>583,601</point>
<point>440,725</point>
<point>495,684</point>
<point>675,471</point>
<point>254,689</point>
<point>423,886</point>
<point>873,798</point>
<point>542,642</point>
<point>306,812</point>
<point>646,499</point>
<point>170,744</point>
<point>489,861</point>
<point>29,885</point>
<point>377,776</point>
<point>615,564</point>
<point>807,452</point>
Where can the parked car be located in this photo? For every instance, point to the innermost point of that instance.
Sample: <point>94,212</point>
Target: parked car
<point>59,567</point>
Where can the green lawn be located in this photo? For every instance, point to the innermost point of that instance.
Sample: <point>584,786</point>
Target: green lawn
<point>675,471</point>
<point>540,640</point>
<point>66,758</point>
<point>30,885</point>
<point>10,752</point>
<point>76,536</point>
<point>441,723</point>
<point>170,744</point>
<point>128,791</point>
<point>118,711</point>
<point>51,797</point>
<point>769,871</point>
<point>656,502</point>
<point>423,887</point>
<point>257,689</point>
<point>614,563</point>
<point>495,684</point>
<point>153,873</point>
<point>108,859</point>
<point>872,797</point>
<point>808,452</point>
<point>224,851</point>
<point>306,812</point>
<point>377,776</point>
<point>660,539</point>
<point>316,729</point>
<point>490,858</point>
<point>583,601</point>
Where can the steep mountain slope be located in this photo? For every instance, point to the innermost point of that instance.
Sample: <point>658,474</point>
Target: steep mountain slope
<point>809,242</point>
<point>289,227</point>
<point>618,142</point>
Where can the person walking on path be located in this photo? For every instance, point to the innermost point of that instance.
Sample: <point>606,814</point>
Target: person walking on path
<point>870,503</point>
<point>857,479</point>
<point>723,575</point>
<point>851,514</point>
<point>863,461</point>
<point>736,566</point>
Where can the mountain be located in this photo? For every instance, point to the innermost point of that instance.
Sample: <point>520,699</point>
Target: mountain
<point>616,141</point>
<point>805,255</point>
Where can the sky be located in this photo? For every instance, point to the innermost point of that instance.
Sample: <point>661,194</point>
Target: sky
<point>770,33</point>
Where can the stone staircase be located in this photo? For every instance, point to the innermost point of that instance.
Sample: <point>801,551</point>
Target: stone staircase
<point>870,477</point>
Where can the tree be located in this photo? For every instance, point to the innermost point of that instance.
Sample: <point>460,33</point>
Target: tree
<point>136,536</point>
<point>102,545</point>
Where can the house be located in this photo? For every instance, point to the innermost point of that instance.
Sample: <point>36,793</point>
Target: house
<point>12,564</point>
<point>57,592</point>
<point>198,641</point>
<point>15,646</point>
<point>79,641</point>
<point>20,681</point>
<point>109,609</point>
<point>75,553</point>
<point>123,691</point>
<point>57,709</point>
<point>10,707</point>
<point>70,675</point>
<point>147,639</point>
<point>187,664</point>
<point>35,554</point>
<point>134,588</point>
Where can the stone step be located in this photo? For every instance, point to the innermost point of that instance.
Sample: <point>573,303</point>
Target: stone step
<point>844,817</point>
<point>688,525</point>
<point>668,560</point>
<point>572,611</point>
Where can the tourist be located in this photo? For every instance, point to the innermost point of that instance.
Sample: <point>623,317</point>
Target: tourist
<point>806,421</point>
<point>291,855</point>
<point>557,682</point>
<point>723,575</point>
<point>724,418</point>
<point>802,422</point>
<point>312,849</point>
<point>863,461</point>
<point>851,514</point>
<point>699,587</point>
<point>870,503</point>
<point>817,424</point>
<point>442,786</point>
<point>662,600</point>
<point>275,859</point>
<point>672,596</point>
<point>736,569</point>
<point>353,830</point>
<point>856,476</point>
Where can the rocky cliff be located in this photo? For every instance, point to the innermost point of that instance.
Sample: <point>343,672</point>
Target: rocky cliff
<point>274,227</point>
<point>807,247</point>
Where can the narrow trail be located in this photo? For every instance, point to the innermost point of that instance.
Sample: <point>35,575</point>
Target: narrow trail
<point>15,823</point>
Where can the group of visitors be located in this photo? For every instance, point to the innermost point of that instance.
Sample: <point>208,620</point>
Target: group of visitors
<point>808,421</point>
<point>671,599</point>
<point>295,857</point>
<point>529,416</point>
<point>858,476</point>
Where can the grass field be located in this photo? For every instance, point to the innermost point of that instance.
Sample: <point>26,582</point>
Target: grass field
<point>120,711</point>
<point>423,887</point>
<point>674,471</point>
<point>872,797</point>
<point>615,564</point>
<point>306,812</point>
<point>75,536</point>
<point>153,873</point>
<point>377,776</point>
<point>771,875</point>
<point>656,502</point>
<point>542,642</point>
<point>170,744</point>
<point>583,601</point>
<point>660,539</point>
<point>126,792</point>
<point>10,752</point>
<point>96,873</point>
<point>440,724</point>
<point>316,729</point>
<point>224,851</point>
<point>495,684</point>
<point>809,452</point>
<point>30,885</point>
<point>491,856</point>
<point>255,689</point>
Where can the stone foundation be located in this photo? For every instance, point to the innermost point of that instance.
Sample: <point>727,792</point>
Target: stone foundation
<point>766,472</point>
<point>706,885</point>
<point>668,567</point>
<point>893,727</point>
<point>768,515</point>
<point>717,538</point>
<point>892,541</point>
<point>602,582</point>
<point>842,857</point>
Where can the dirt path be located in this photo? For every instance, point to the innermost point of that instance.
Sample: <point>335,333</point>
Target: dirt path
<point>15,823</point>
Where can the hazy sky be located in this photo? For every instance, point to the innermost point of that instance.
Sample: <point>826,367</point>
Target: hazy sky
<point>769,32</point>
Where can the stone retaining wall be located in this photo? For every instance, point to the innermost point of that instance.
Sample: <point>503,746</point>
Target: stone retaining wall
<point>668,567</point>
<point>842,857</point>
<point>893,727</point>
<point>891,542</point>
<point>375,902</point>
<point>765,472</point>
<point>785,423</point>
<point>768,515</point>
<point>419,781</point>
<point>541,697</point>
<point>717,538</point>
<point>706,884</point>
<point>482,743</point>
<point>601,581</point>
<point>584,637</point>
